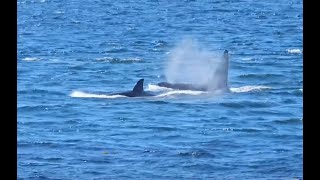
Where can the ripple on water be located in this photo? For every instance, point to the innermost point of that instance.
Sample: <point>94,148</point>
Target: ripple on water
<point>114,60</point>
<point>196,154</point>
<point>289,121</point>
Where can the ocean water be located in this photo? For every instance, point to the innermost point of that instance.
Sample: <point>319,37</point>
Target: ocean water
<point>73,54</point>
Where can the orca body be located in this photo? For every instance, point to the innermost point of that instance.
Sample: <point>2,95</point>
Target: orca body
<point>137,91</point>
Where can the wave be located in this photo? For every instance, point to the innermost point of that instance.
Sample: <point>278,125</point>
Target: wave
<point>289,121</point>
<point>260,76</point>
<point>169,92</point>
<point>31,59</point>
<point>181,92</point>
<point>80,94</point>
<point>164,92</point>
<point>118,60</point>
<point>247,58</point>
<point>248,89</point>
<point>294,51</point>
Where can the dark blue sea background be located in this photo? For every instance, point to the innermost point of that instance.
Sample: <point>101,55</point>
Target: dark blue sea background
<point>73,53</point>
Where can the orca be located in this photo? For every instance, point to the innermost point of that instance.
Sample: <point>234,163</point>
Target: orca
<point>218,84</point>
<point>137,91</point>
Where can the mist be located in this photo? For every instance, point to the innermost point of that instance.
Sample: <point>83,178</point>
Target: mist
<point>190,63</point>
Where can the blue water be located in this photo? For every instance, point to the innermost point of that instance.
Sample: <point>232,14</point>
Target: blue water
<point>71,54</point>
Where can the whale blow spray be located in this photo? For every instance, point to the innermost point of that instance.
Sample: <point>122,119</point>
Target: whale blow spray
<point>189,63</point>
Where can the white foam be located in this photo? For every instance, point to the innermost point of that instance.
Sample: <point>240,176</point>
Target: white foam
<point>294,51</point>
<point>181,92</point>
<point>80,94</point>
<point>31,59</point>
<point>133,59</point>
<point>171,92</point>
<point>247,59</point>
<point>156,88</point>
<point>58,12</point>
<point>248,89</point>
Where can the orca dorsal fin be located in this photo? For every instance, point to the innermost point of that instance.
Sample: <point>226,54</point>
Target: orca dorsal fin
<point>138,88</point>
